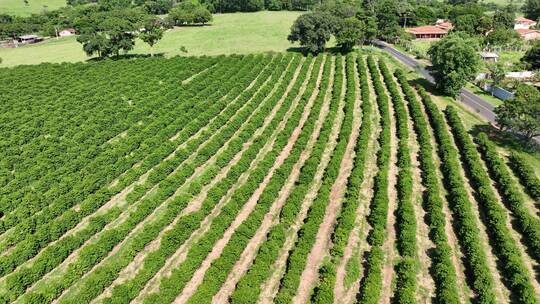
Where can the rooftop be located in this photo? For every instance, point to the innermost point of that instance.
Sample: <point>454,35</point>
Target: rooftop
<point>426,29</point>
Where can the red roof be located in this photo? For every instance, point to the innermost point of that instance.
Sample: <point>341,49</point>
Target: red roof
<point>526,31</point>
<point>524,20</point>
<point>445,25</point>
<point>427,29</point>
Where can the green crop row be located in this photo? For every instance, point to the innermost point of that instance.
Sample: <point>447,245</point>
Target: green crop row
<point>504,245</point>
<point>443,271</point>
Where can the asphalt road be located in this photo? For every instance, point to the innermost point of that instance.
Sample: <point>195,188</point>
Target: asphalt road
<point>473,101</point>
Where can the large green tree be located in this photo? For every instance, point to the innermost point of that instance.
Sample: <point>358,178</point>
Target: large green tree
<point>532,57</point>
<point>109,33</point>
<point>532,9</point>
<point>152,31</point>
<point>455,61</point>
<point>522,113</point>
<point>349,33</point>
<point>313,31</point>
<point>189,12</point>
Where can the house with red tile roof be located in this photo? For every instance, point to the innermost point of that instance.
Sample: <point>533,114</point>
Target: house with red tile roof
<point>523,23</point>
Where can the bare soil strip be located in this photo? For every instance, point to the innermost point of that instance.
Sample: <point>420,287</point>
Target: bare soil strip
<point>389,246</point>
<point>186,81</point>
<point>320,248</point>
<point>248,207</point>
<point>180,255</point>
<point>357,241</point>
<point>131,270</point>
<point>271,287</point>
<point>249,253</point>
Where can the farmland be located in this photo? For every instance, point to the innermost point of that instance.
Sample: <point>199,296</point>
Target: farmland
<point>267,178</point>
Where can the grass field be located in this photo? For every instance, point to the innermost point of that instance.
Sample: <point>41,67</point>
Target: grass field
<point>239,33</point>
<point>262,177</point>
<point>19,8</point>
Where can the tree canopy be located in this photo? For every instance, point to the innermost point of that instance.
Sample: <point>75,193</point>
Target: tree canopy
<point>313,30</point>
<point>522,113</point>
<point>455,61</point>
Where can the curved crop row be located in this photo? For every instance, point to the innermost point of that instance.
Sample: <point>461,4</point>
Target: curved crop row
<point>249,286</point>
<point>464,217</point>
<point>370,290</point>
<point>504,245</point>
<point>407,267</point>
<point>443,271</point>
<point>181,274</point>
<point>306,235</point>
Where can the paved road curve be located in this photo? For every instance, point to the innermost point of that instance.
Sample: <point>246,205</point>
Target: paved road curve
<point>475,102</point>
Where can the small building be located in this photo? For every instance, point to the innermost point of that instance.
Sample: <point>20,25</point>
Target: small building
<point>523,23</point>
<point>67,32</point>
<point>27,39</point>
<point>528,34</point>
<point>427,32</point>
<point>489,57</point>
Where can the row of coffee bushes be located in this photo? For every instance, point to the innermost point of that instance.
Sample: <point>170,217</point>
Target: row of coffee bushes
<point>466,222</point>
<point>443,271</point>
<point>371,284</point>
<point>501,239</point>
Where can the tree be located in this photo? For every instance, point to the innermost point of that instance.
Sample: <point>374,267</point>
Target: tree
<point>532,57</point>
<point>350,33</point>
<point>455,61</point>
<point>501,37</point>
<point>108,33</point>
<point>498,73</point>
<point>189,12</point>
<point>522,113</point>
<point>312,30</point>
<point>152,32</point>
<point>532,9</point>
<point>504,19</point>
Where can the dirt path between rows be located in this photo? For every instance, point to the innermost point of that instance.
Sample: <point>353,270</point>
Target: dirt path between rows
<point>456,254</point>
<point>425,283</point>
<point>389,245</point>
<point>249,206</point>
<point>270,287</point>
<point>357,242</point>
<point>180,255</point>
<point>131,270</point>
<point>270,219</point>
<point>320,248</point>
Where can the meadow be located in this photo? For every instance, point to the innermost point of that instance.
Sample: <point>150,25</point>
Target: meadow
<point>238,33</point>
<point>19,8</point>
<point>256,178</point>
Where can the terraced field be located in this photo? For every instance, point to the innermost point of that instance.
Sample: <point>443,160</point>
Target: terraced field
<point>271,178</point>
